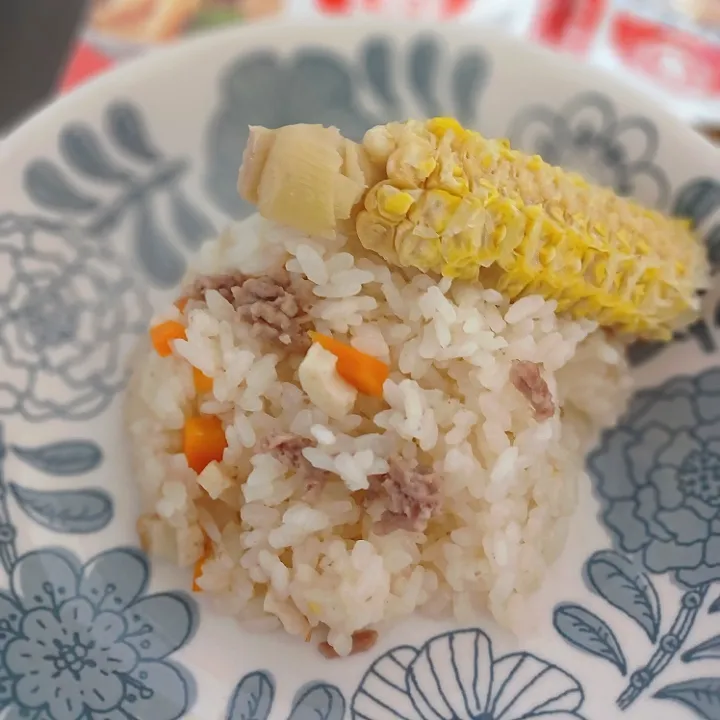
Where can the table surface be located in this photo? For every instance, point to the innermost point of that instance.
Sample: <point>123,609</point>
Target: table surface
<point>36,37</point>
<point>45,30</point>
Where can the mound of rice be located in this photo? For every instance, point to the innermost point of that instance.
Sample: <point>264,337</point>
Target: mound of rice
<point>271,552</point>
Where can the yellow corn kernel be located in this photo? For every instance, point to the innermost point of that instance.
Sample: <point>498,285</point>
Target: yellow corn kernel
<point>393,202</point>
<point>440,125</point>
<point>478,207</point>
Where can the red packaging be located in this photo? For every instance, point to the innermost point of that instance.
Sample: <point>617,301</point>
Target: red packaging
<point>653,39</point>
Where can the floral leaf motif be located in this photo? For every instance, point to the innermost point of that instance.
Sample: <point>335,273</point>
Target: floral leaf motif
<point>617,580</point>
<point>318,701</point>
<point>326,91</point>
<point>712,240</point>
<point>127,129</point>
<point>156,255</point>
<point>80,147</point>
<point>68,457</point>
<point>253,697</point>
<point>193,226</point>
<point>468,79</point>
<point>698,200</point>
<point>424,60</point>
<point>376,58</point>
<point>586,631</point>
<point>105,222</point>
<point>700,694</point>
<point>710,649</point>
<point>49,187</point>
<point>66,511</point>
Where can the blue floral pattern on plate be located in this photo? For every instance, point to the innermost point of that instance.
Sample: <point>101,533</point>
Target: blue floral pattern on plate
<point>456,675</point>
<point>88,642</point>
<point>453,675</point>
<point>67,306</point>
<point>136,182</point>
<point>85,641</point>
<point>254,695</point>
<point>586,135</point>
<point>657,475</point>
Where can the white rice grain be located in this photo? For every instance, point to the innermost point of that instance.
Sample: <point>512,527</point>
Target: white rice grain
<point>284,555</point>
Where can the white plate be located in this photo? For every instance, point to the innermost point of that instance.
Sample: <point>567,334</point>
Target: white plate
<point>103,199</point>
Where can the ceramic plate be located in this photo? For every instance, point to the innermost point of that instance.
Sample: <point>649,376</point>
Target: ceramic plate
<point>104,198</point>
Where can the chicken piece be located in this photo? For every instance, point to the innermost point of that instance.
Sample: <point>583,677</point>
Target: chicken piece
<point>326,389</point>
<point>213,480</point>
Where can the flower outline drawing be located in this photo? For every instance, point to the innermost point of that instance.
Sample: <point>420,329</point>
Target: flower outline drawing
<point>85,642</point>
<point>456,675</point>
<point>658,478</point>
<point>587,135</point>
<point>69,310</point>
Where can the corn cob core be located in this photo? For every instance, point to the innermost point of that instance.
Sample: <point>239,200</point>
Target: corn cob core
<point>444,199</point>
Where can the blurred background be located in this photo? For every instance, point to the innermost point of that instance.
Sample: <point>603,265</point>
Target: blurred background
<point>670,47</point>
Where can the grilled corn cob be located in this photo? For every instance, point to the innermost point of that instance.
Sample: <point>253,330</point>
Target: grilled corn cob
<point>437,197</point>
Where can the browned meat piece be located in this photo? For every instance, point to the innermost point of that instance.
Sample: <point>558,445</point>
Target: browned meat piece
<point>389,522</point>
<point>526,377</point>
<point>224,284</point>
<point>411,494</point>
<point>287,448</point>
<point>362,641</point>
<point>272,304</point>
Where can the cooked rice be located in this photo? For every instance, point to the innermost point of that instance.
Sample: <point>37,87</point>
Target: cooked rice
<point>281,554</point>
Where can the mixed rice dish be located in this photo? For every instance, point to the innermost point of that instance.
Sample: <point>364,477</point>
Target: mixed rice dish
<point>375,397</point>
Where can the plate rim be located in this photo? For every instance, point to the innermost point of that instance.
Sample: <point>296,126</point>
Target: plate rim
<point>51,114</point>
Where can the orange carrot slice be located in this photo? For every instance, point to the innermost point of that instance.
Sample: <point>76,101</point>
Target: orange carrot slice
<point>364,372</point>
<point>203,441</point>
<point>181,303</point>
<point>163,334</point>
<point>203,383</point>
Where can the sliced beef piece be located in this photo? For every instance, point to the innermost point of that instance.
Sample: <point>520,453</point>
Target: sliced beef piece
<point>410,493</point>
<point>287,448</point>
<point>528,379</point>
<point>272,304</point>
